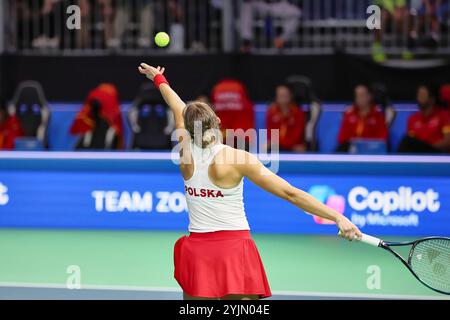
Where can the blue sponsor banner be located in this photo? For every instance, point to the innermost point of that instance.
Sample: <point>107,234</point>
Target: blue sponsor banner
<point>154,200</point>
<point>378,205</point>
<point>93,200</point>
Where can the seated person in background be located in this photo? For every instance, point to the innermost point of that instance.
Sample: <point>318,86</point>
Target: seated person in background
<point>122,19</point>
<point>432,13</point>
<point>44,22</point>
<point>100,120</point>
<point>235,110</point>
<point>444,96</point>
<point>285,10</point>
<point>429,128</point>
<point>362,120</point>
<point>10,129</point>
<point>286,116</point>
<point>103,11</point>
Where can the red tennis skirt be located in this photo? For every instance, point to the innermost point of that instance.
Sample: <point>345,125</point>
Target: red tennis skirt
<point>217,264</point>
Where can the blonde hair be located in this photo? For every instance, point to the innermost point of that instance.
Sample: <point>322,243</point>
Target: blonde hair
<point>201,122</point>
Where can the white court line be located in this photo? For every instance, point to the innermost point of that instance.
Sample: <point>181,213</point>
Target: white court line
<point>87,287</point>
<point>266,157</point>
<point>177,290</point>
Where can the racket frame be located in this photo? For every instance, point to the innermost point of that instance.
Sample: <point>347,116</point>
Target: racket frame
<point>387,246</point>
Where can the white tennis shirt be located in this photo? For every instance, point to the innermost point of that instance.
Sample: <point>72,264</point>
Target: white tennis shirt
<point>212,208</point>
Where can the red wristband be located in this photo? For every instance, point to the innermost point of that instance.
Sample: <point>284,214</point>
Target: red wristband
<point>159,80</point>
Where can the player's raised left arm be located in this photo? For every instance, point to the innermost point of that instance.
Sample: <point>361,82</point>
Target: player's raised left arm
<point>170,96</point>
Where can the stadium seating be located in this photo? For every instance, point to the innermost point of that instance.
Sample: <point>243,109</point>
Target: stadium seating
<point>30,106</point>
<point>150,120</point>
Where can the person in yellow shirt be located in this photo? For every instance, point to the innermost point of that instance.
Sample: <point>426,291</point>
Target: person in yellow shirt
<point>395,12</point>
<point>391,5</point>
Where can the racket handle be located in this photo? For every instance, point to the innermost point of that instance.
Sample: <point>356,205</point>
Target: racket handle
<point>368,240</point>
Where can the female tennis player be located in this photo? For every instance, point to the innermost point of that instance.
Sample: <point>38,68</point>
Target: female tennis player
<point>219,260</point>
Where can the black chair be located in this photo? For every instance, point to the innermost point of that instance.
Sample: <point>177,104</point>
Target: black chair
<point>151,121</point>
<point>102,137</point>
<point>31,108</point>
<point>301,87</point>
<point>381,98</point>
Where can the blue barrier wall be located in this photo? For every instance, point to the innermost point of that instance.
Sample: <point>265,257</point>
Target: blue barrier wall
<point>392,195</point>
<point>327,129</point>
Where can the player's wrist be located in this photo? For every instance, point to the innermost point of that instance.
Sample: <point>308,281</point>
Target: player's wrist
<point>160,79</point>
<point>338,218</point>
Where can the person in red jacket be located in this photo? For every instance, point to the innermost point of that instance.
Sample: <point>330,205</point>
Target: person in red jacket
<point>106,97</point>
<point>428,129</point>
<point>286,116</point>
<point>10,129</point>
<point>362,120</point>
<point>235,110</point>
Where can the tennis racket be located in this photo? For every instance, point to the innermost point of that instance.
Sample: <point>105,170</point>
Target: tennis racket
<point>428,259</point>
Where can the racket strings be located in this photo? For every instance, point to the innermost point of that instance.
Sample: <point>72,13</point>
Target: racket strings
<point>430,261</point>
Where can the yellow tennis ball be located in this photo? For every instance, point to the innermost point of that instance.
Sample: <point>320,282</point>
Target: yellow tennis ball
<point>162,39</point>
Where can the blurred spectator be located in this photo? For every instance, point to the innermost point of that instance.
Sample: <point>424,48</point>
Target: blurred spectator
<point>177,30</point>
<point>362,120</point>
<point>43,22</point>
<point>394,15</point>
<point>100,120</point>
<point>122,19</point>
<point>107,15</point>
<point>286,116</point>
<point>286,11</point>
<point>429,128</point>
<point>444,96</point>
<point>432,13</point>
<point>93,12</point>
<point>234,108</point>
<point>83,35</point>
<point>21,11</point>
<point>10,129</point>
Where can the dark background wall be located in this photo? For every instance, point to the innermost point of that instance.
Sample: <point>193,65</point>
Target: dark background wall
<point>334,76</point>
<point>2,82</point>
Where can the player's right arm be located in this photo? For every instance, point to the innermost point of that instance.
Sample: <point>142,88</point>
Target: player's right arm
<point>177,106</point>
<point>170,96</point>
<point>249,166</point>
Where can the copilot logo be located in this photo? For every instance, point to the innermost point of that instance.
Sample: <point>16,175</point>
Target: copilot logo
<point>4,198</point>
<point>328,196</point>
<point>401,207</point>
<point>402,199</point>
